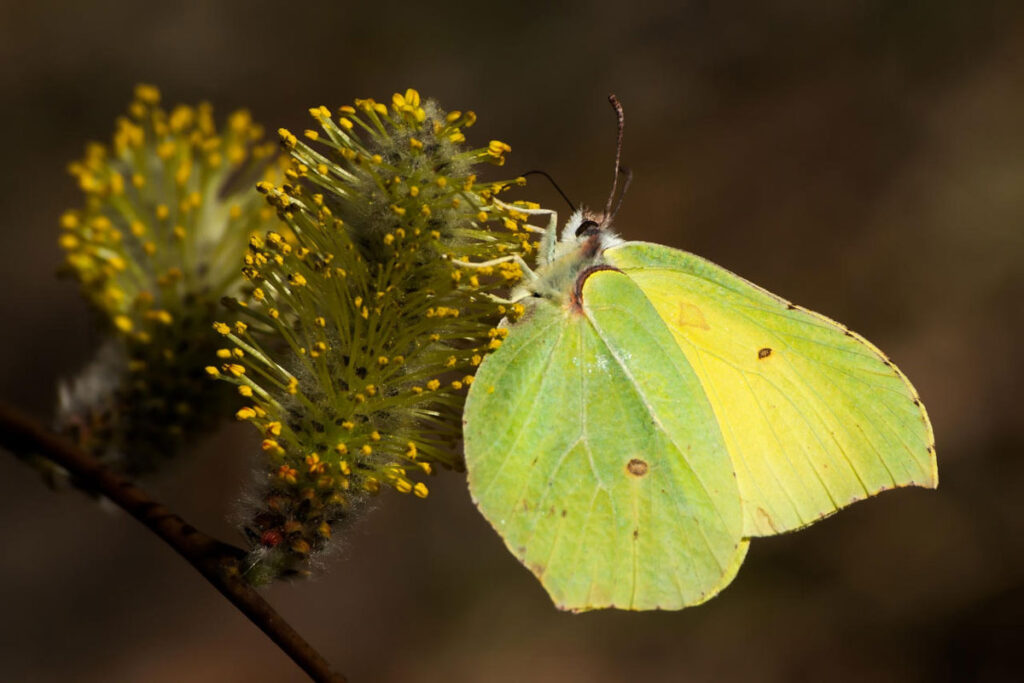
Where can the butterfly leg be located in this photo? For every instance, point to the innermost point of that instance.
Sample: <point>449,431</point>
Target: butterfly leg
<point>512,258</point>
<point>530,212</point>
<point>550,233</point>
<point>516,298</point>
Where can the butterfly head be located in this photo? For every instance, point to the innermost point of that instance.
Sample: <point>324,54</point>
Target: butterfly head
<point>589,233</point>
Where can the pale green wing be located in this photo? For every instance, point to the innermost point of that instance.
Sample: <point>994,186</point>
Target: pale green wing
<point>592,450</point>
<point>814,416</point>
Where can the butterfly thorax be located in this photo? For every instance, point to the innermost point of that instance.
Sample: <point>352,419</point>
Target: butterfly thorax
<point>560,264</point>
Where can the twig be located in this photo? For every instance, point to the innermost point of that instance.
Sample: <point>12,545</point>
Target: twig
<point>216,561</point>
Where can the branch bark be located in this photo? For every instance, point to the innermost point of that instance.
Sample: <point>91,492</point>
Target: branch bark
<point>218,562</point>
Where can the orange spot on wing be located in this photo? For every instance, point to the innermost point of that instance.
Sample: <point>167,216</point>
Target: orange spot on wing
<point>691,316</point>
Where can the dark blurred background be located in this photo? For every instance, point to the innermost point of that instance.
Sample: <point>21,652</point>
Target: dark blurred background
<point>863,158</point>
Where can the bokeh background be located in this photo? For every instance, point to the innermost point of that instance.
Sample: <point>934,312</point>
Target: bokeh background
<point>864,158</point>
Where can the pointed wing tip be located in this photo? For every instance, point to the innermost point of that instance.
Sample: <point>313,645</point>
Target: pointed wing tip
<point>933,480</point>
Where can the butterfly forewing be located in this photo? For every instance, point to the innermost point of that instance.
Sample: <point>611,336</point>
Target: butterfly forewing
<point>592,449</point>
<point>814,416</point>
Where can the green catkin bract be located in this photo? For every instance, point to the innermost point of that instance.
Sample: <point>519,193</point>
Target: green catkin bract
<point>168,210</point>
<point>361,330</point>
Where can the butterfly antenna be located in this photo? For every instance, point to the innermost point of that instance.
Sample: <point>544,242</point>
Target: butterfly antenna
<point>625,186</point>
<point>614,101</point>
<point>551,180</point>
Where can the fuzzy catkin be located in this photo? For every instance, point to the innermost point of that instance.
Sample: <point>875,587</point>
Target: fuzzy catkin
<point>367,316</point>
<point>168,209</point>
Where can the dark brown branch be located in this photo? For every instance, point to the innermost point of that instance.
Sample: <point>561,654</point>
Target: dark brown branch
<point>216,561</point>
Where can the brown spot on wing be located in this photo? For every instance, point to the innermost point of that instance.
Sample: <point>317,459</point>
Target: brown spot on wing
<point>637,467</point>
<point>764,353</point>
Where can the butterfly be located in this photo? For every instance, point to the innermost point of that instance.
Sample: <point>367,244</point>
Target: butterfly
<point>651,412</point>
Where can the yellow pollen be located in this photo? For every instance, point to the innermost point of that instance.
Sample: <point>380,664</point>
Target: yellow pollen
<point>162,317</point>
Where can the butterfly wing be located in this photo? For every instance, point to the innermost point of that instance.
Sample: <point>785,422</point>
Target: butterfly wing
<point>814,416</point>
<point>592,450</point>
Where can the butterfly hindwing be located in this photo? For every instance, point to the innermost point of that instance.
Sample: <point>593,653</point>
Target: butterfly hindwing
<point>813,415</point>
<point>593,451</point>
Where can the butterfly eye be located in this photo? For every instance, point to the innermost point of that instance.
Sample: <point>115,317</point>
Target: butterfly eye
<point>586,228</point>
